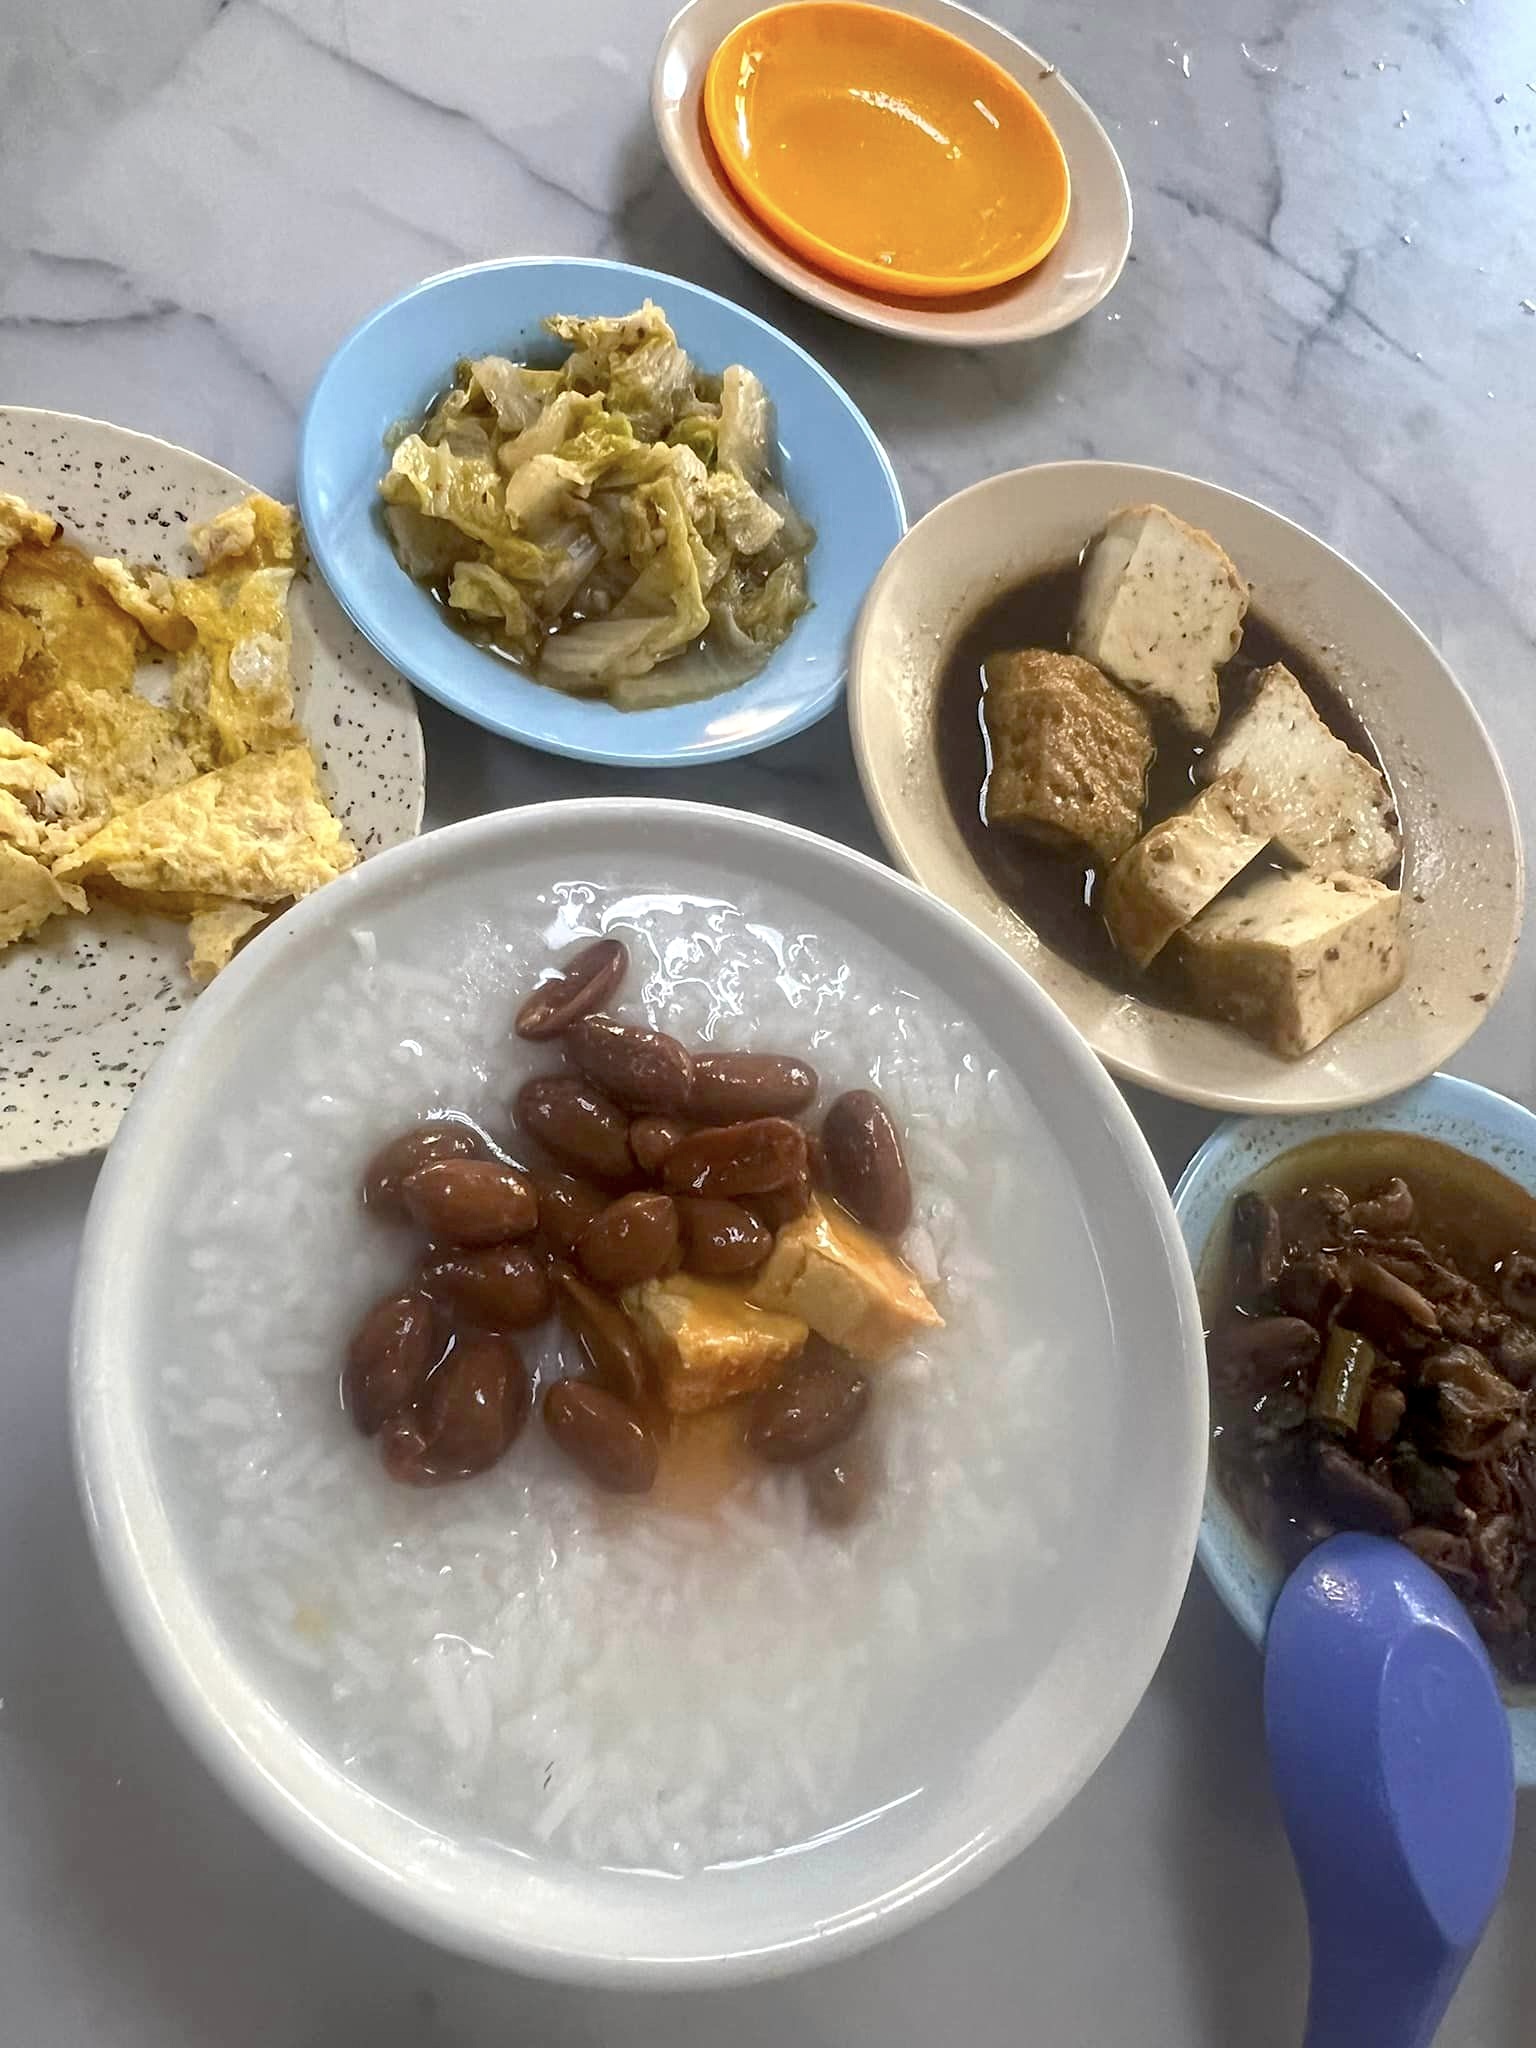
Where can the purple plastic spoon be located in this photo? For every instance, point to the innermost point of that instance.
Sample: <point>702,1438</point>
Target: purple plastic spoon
<point>1389,1747</point>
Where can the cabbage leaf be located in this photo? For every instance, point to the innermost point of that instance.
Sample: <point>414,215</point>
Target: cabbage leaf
<point>606,516</point>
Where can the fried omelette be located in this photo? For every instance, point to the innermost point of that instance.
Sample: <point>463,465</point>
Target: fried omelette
<point>189,794</point>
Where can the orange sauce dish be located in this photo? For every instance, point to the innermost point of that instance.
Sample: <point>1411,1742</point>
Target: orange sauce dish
<point>888,152</point>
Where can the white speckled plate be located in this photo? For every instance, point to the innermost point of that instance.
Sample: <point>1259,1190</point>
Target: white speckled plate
<point>1463,867</point>
<point>85,1007</point>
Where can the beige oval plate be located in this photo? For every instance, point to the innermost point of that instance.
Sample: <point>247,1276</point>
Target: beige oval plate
<point>1462,842</point>
<point>1078,273</point>
<point>86,1006</point>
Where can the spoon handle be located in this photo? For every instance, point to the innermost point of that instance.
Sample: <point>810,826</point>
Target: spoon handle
<point>1362,1996</point>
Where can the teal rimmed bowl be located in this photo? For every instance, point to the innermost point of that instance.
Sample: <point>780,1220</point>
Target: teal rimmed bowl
<point>1474,1120</point>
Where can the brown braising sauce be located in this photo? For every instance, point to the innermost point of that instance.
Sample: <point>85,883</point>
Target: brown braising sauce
<point>1055,890</point>
<point>1465,1210</point>
<point>1475,1228</point>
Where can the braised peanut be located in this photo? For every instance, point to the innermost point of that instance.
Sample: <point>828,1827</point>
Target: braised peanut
<point>604,1332</point>
<point>601,1435</point>
<point>634,1239</point>
<point>504,1286</point>
<point>566,1207</point>
<point>642,1070</point>
<point>814,1406</point>
<point>472,1408</point>
<point>393,1350</point>
<point>862,1162</point>
<point>731,1087</point>
<point>737,1159</point>
<point>650,1157</point>
<point>470,1201</point>
<point>653,1139</point>
<point>440,1138</point>
<point>720,1237</point>
<point>578,1124</point>
<point>779,1206</point>
<point>583,985</point>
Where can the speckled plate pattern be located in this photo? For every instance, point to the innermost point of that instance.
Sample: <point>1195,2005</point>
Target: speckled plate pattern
<point>86,1006</point>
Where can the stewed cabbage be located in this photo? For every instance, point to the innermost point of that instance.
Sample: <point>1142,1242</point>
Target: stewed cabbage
<point>613,524</point>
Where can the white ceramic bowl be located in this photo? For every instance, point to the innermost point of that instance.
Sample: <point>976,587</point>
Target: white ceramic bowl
<point>1080,271</point>
<point>1463,852</point>
<point>1131,1447</point>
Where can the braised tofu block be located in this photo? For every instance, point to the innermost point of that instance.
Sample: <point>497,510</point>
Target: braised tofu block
<point>1181,865</point>
<point>841,1280</point>
<point>1288,958</point>
<point>1161,610</point>
<point>1070,752</point>
<point>1332,809</point>
<point>708,1342</point>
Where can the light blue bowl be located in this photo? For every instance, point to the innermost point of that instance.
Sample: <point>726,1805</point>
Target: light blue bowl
<point>1475,1120</point>
<point>831,464</point>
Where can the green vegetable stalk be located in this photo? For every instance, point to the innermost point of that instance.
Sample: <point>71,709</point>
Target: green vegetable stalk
<point>1343,1381</point>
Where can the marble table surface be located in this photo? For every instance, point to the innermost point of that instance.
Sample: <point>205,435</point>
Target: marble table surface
<point>1331,305</point>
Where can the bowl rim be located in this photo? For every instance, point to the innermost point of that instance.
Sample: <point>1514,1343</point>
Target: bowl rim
<point>892,826</point>
<point>929,323</point>
<point>398,650</point>
<point>198,1685</point>
<point>844,265</point>
<point>1474,1108</point>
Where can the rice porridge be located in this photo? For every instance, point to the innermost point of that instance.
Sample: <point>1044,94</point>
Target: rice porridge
<point>564,1673</point>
